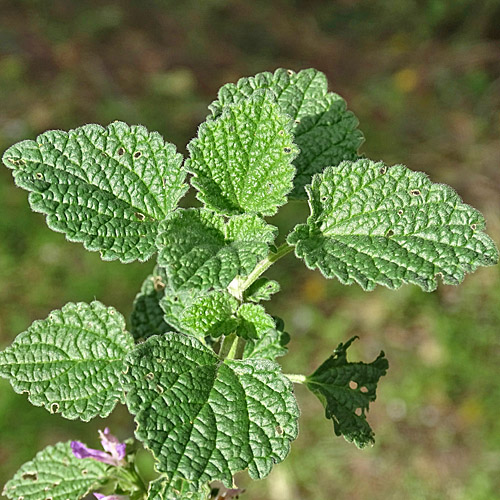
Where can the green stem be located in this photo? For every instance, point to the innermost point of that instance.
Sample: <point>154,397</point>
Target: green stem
<point>296,378</point>
<point>239,285</point>
<point>132,477</point>
<point>227,345</point>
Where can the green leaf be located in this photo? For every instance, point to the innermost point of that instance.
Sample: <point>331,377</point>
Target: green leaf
<point>201,249</point>
<point>174,303</point>
<point>105,187</point>
<point>378,225</point>
<point>270,344</point>
<point>242,162</point>
<point>205,419</point>
<point>261,289</point>
<point>211,314</point>
<point>147,316</point>
<point>57,474</point>
<point>325,131</point>
<point>163,489</point>
<point>70,362</point>
<point>346,389</point>
<point>254,321</point>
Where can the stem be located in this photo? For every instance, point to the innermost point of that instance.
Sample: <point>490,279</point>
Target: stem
<point>227,345</point>
<point>296,378</point>
<point>239,285</point>
<point>240,347</point>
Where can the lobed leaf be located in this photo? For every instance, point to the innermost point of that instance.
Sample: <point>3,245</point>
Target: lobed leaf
<point>70,362</point>
<point>325,131</point>
<point>261,289</point>
<point>105,187</point>
<point>346,389</point>
<point>57,474</point>
<point>163,489</point>
<point>211,314</point>
<point>201,249</point>
<point>242,162</point>
<point>174,303</point>
<point>269,344</point>
<point>205,419</point>
<point>378,225</point>
<point>254,321</point>
<point>147,316</point>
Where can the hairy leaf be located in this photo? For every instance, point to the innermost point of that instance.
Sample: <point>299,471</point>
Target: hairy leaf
<point>254,321</point>
<point>211,314</point>
<point>205,419</point>
<point>346,389</point>
<point>201,249</point>
<point>174,303</point>
<point>178,489</point>
<point>57,474</point>
<point>325,131</point>
<point>261,289</point>
<point>147,317</point>
<point>242,162</point>
<point>378,225</point>
<point>70,362</point>
<point>270,344</point>
<point>106,187</point>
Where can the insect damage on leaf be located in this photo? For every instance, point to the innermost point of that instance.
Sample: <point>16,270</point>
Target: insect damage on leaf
<point>346,389</point>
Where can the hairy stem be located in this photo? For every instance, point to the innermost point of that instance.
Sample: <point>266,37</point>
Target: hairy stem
<point>227,345</point>
<point>239,285</point>
<point>296,378</point>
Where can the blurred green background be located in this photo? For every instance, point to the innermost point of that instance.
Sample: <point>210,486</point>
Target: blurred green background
<point>424,79</point>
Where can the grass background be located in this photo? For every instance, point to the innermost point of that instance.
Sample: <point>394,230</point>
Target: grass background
<point>424,79</point>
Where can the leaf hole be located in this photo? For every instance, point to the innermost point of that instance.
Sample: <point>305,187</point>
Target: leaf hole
<point>383,170</point>
<point>324,198</point>
<point>54,407</point>
<point>30,476</point>
<point>287,150</point>
<point>359,412</point>
<point>39,176</point>
<point>281,132</point>
<point>473,227</point>
<point>140,216</point>
<point>364,389</point>
<point>279,430</point>
<point>389,233</point>
<point>159,389</point>
<point>20,498</point>
<point>297,121</point>
<point>149,376</point>
<point>290,72</point>
<point>137,154</point>
<point>121,152</point>
<point>400,212</point>
<point>160,360</point>
<point>415,192</point>
<point>85,472</point>
<point>353,384</point>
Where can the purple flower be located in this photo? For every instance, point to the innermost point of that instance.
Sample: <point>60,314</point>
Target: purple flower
<point>115,451</point>
<point>111,444</point>
<point>100,496</point>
